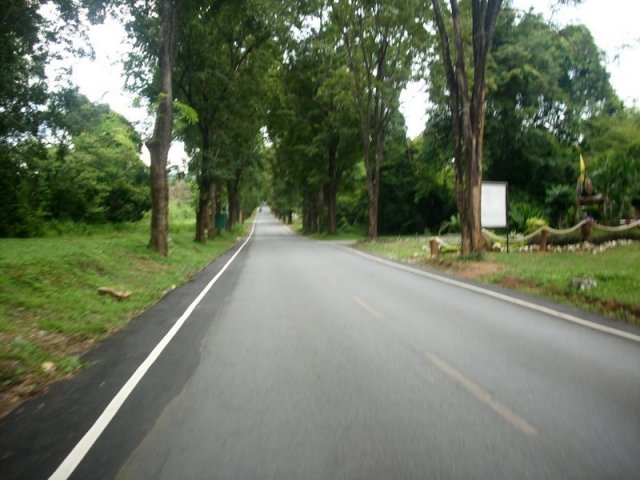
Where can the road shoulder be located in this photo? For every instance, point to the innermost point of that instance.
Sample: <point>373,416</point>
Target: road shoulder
<point>556,309</point>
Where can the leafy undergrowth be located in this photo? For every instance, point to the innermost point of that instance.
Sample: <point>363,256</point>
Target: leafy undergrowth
<point>50,310</point>
<point>617,293</point>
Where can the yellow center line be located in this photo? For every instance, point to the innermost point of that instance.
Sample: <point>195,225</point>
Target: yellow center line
<point>368,307</point>
<point>469,385</point>
<point>332,280</point>
<point>482,395</point>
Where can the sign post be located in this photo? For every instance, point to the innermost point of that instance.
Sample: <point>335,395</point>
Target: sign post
<point>494,206</point>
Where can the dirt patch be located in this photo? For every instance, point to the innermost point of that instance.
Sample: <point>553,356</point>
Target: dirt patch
<point>149,265</point>
<point>627,311</point>
<point>516,283</point>
<point>473,270</point>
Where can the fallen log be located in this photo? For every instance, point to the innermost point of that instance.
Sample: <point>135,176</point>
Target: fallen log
<point>117,294</point>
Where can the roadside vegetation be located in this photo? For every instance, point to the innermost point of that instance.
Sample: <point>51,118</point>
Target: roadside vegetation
<point>296,104</point>
<point>550,102</point>
<point>50,309</point>
<point>616,292</point>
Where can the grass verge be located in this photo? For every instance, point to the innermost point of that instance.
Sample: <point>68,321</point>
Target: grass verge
<point>50,311</point>
<point>617,293</point>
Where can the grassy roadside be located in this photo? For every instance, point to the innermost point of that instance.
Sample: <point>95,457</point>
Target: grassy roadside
<point>50,311</point>
<point>617,293</point>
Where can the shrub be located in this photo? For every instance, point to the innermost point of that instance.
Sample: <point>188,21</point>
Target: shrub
<point>534,223</point>
<point>450,226</point>
<point>520,212</point>
<point>559,200</point>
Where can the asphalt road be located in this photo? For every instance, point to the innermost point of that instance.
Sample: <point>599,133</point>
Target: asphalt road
<point>308,361</point>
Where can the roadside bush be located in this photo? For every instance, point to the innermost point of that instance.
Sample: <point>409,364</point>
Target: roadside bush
<point>93,175</point>
<point>126,203</point>
<point>559,200</point>
<point>450,226</point>
<point>534,223</point>
<point>520,212</point>
<point>352,211</point>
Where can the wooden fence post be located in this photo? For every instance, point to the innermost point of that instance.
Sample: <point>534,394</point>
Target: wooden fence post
<point>434,246</point>
<point>544,238</point>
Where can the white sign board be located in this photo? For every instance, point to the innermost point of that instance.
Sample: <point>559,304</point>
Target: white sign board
<point>493,211</point>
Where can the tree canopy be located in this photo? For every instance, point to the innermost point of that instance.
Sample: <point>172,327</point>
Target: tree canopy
<point>297,103</point>
<point>92,172</point>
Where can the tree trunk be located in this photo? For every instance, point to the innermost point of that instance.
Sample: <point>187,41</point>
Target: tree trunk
<point>468,193</point>
<point>373,191</point>
<point>373,212</point>
<point>201,215</point>
<point>319,203</point>
<point>374,180</point>
<point>331,189</point>
<point>312,211</point>
<point>160,142</point>
<point>231,204</point>
<point>331,201</point>
<point>372,228</point>
<point>211,212</point>
<point>218,198</point>
<point>307,214</point>
<point>468,111</point>
<point>474,238</point>
<point>233,192</point>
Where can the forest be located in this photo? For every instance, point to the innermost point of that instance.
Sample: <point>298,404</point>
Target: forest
<point>297,104</point>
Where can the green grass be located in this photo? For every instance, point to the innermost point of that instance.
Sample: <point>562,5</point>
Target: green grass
<point>616,272</point>
<point>50,311</point>
<point>405,249</point>
<point>617,293</point>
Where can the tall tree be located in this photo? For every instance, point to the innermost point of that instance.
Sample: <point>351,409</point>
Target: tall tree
<point>467,105</point>
<point>313,125</point>
<point>546,82</point>
<point>380,43</point>
<point>295,121</point>
<point>160,142</point>
<point>31,35</point>
<point>338,134</point>
<point>612,150</point>
<point>227,46</point>
<point>95,173</point>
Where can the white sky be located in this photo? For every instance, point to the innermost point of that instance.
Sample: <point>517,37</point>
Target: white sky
<point>617,34</point>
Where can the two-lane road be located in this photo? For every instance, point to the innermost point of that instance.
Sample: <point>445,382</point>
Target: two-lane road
<point>306,360</point>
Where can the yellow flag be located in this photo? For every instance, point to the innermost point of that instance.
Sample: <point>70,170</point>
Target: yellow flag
<point>583,169</point>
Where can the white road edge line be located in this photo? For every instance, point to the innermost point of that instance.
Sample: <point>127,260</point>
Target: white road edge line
<point>500,296</point>
<point>71,462</point>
